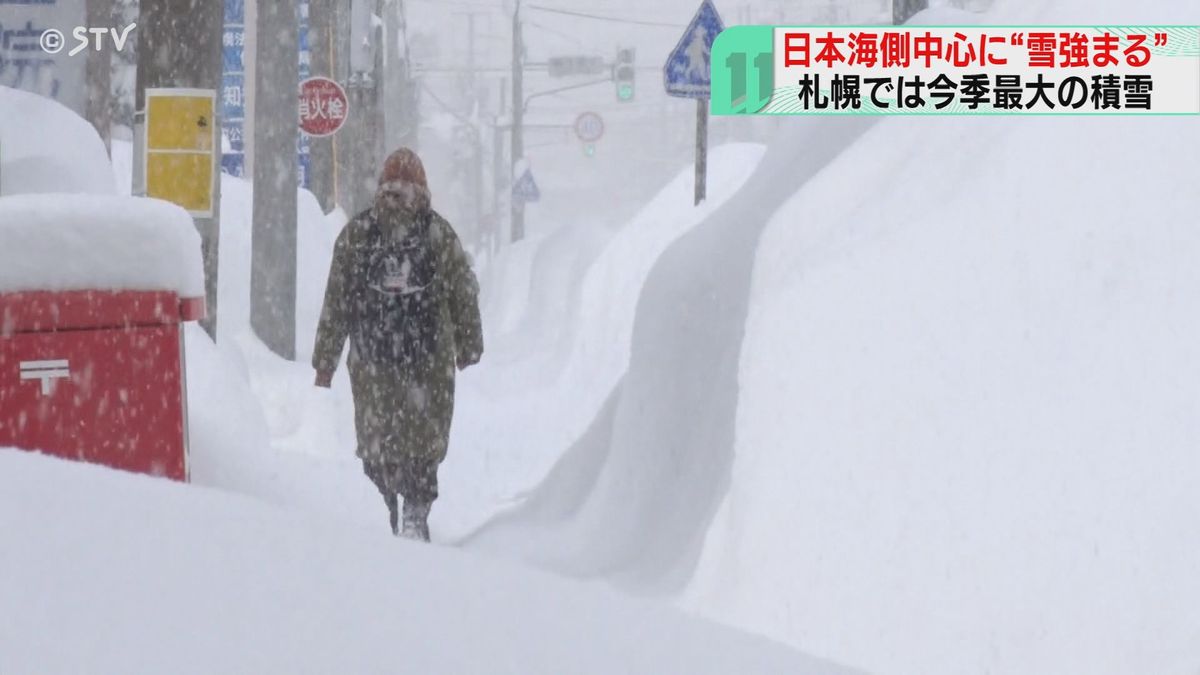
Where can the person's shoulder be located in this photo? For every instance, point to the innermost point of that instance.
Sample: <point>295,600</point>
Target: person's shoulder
<point>355,229</point>
<point>440,229</point>
<point>359,223</point>
<point>438,221</point>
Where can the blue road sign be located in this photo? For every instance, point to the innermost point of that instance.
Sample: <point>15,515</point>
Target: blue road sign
<point>526,189</point>
<point>687,72</point>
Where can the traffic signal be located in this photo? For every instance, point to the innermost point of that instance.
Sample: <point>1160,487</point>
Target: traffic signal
<point>623,74</point>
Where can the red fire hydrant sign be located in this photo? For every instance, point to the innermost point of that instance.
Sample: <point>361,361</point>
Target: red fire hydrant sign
<point>323,106</point>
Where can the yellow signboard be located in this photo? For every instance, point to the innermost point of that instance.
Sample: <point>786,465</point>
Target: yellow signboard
<point>181,134</point>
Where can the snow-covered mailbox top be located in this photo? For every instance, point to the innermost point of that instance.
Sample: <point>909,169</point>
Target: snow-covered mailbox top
<point>53,242</point>
<point>93,291</point>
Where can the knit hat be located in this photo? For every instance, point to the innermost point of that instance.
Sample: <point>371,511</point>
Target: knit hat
<point>402,185</point>
<point>403,166</point>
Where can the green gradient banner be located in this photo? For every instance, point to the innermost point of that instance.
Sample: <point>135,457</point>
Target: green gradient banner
<point>956,70</point>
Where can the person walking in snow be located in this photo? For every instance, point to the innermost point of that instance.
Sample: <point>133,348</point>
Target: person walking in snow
<point>402,291</point>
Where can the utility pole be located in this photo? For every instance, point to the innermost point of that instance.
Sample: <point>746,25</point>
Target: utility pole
<point>476,167</point>
<point>361,138</point>
<point>322,20</point>
<point>398,101</point>
<point>902,10</point>
<point>98,110</point>
<point>701,150</point>
<point>342,145</point>
<point>518,115</point>
<point>276,133</point>
<point>179,45</point>
<point>498,173</point>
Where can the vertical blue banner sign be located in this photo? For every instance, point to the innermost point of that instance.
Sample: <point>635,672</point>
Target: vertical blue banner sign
<point>233,88</point>
<point>304,162</point>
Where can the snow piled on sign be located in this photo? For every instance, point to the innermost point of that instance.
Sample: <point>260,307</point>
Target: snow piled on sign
<point>967,429</point>
<point>78,242</point>
<point>111,572</point>
<point>33,159</point>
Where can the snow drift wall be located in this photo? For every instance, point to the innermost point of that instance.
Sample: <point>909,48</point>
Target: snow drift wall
<point>558,320</point>
<point>666,437</point>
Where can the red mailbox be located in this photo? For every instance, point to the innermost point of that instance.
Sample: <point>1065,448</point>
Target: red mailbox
<point>97,376</point>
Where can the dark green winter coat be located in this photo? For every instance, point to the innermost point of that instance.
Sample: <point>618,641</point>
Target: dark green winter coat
<point>402,410</point>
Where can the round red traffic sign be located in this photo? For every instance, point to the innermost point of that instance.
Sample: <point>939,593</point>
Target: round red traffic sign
<point>323,106</point>
<point>589,127</point>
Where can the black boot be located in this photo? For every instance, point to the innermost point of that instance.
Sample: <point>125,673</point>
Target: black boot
<point>416,520</point>
<point>393,504</point>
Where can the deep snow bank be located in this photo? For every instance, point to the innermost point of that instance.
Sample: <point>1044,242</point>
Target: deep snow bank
<point>112,572</point>
<point>46,147</point>
<point>229,445</point>
<point>967,433</point>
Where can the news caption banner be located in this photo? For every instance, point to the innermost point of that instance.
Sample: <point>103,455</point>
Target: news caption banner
<point>956,70</point>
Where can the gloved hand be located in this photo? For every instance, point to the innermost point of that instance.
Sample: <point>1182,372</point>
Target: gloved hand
<point>467,359</point>
<point>324,378</point>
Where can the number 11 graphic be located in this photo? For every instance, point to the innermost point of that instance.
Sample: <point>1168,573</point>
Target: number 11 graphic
<point>743,70</point>
<point>738,76</point>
